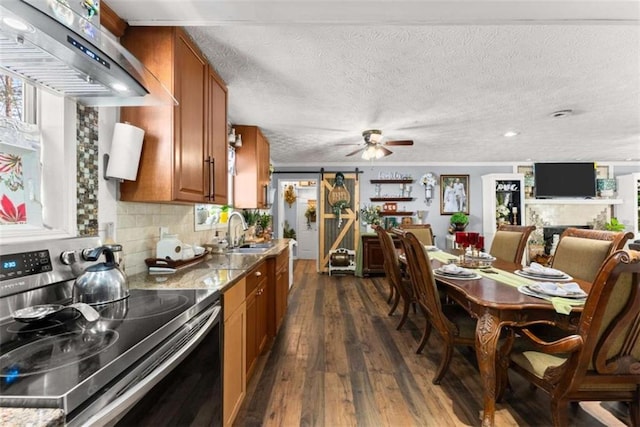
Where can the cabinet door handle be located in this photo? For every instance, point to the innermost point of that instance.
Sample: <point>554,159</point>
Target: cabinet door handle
<point>212,178</point>
<point>266,196</point>
<point>258,273</point>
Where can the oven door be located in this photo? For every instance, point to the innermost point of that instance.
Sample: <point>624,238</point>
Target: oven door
<point>178,383</point>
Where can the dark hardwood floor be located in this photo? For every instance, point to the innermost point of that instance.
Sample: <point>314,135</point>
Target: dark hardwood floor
<point>339,361</point>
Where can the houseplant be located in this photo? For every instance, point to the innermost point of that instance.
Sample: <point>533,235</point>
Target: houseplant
<point>614,225</point>
<point>458,221</point>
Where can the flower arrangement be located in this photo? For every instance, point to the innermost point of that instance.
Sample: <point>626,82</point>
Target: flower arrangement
<point>428,180</point>
<point>338,207</point>
<point>370,214</point>
<point>310,214</point>
<point>502,212</point>
<point>290,195</point>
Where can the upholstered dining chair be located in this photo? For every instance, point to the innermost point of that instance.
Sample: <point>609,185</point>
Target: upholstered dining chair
<point>423,232</point>
<point>581,252</point>
<point>601,360</point>
<point>453,323</point>
<point>401,285</point>
<point>510,241</point>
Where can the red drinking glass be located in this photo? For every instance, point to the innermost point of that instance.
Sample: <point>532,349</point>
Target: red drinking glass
<point>461,238</point>
<point>480,243</point>
<point>472,238</point>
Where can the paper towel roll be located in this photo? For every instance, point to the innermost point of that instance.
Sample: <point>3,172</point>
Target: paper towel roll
<point>124,155</point>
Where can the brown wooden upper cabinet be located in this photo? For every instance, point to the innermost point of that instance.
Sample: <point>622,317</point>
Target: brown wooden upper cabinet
<point>251,183</point>
<point>184,155</point>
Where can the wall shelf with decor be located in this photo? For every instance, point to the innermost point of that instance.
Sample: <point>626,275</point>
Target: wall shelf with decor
<point>397,213</point>
<point>391,181</point>
<point>392,199</point>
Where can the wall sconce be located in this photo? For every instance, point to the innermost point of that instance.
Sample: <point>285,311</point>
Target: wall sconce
<point>428,181</point>
<point>124,156</point>
<point>235,140</point>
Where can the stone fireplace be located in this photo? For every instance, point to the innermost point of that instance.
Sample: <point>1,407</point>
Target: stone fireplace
<point>591,213</point>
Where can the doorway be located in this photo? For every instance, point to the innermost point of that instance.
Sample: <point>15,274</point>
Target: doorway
<point>294,214</point>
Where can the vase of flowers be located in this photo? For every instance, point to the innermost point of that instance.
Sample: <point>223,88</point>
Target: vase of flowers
<point>370,215</point>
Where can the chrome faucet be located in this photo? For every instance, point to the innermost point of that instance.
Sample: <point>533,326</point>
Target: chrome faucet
<point>233,242</point>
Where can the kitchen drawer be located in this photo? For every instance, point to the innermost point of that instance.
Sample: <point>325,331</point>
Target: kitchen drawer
<point>233,298</point>
<point>255,276</point>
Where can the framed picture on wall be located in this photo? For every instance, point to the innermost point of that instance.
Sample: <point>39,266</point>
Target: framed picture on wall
<point>454,194</point>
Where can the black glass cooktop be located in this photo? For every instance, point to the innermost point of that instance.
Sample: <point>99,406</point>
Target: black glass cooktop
<point>63,358</point>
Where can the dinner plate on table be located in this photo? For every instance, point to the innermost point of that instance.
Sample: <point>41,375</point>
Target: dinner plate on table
<point>470,275</point>
<point>526,289</point>
<point>541,277</point>
<point>430,248</point>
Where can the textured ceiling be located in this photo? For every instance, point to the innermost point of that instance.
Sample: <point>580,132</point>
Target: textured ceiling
<point>454,79</point>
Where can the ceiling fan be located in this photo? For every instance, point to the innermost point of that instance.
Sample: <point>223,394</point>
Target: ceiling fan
<point>374,148</point>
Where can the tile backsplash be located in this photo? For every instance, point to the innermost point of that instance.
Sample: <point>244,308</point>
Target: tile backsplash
<point>138,230</point>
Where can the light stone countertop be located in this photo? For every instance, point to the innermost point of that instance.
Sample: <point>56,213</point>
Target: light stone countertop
<point>31,417</point>
<point>216,271</point>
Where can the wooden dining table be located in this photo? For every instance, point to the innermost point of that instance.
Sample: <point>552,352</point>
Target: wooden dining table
<point>498,305</point>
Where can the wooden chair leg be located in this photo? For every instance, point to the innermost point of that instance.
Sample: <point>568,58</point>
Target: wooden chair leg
<point>444,364</point>
<point>559,413</point>
<point>396,301</point>
<point>425,336</point>
<point>391,292</point>
<point>405,313</point>
<point>634,412</point>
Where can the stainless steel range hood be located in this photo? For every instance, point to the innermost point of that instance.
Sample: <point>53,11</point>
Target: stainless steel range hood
<point>52,46</point>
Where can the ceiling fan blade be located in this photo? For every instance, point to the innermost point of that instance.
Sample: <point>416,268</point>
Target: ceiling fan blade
<point>386,151</point>
<point>351,144</point>
<point>356,152</point>
<point>400,142</point>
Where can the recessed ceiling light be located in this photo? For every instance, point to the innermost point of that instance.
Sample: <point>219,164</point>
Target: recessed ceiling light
<point>562,113</point>
<point>511,134</point>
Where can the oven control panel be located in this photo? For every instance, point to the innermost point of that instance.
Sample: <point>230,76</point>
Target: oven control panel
<point>13,266</point>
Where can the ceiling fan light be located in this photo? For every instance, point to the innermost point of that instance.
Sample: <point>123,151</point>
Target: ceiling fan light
<point>379,153</point>
<point>370,152</point>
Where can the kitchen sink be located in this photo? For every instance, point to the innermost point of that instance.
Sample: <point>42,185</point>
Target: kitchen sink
<point>266,245</point>
<point>248,250</point>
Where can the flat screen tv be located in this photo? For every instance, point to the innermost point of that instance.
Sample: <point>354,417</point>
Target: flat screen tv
<point>576,180</point>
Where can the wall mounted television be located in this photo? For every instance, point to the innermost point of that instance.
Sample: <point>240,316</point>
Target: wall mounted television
<point>577,180</point>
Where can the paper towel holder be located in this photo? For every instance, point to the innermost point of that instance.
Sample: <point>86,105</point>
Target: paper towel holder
<point>122,161</point>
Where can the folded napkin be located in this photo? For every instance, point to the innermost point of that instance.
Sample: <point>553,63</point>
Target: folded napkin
<point>558,289</point>
<point>455,269</point>
<point>536,268</point>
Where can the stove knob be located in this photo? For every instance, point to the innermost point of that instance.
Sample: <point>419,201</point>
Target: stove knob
<point>68,257</point>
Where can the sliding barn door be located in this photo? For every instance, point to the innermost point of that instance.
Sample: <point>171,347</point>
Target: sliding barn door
<point>334,233</point>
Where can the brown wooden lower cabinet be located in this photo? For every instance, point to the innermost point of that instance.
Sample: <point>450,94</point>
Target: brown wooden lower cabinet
<point>372,256</point>
<point>254,309</point>
<point>257,302</point>
<point>234,353</point>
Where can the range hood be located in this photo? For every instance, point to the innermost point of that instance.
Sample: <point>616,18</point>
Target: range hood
<point>54,47</point>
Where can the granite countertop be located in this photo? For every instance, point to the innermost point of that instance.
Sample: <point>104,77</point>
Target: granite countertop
<point>31,417</point>
<point>216,271</point>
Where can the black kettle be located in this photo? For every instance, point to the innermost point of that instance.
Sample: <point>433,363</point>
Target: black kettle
<point>101,283</point>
